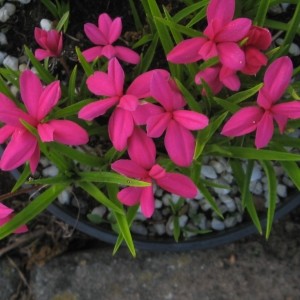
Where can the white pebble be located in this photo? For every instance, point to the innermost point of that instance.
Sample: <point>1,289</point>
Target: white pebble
<point>294,49</point>
<point>160,228</point>
<point>2,57</point>
<point>205,205</point>
<point>22,67</point>
<point>182,220</point>
<point>11,62</point>
<point>219,167</point>
<point>139,229</point>
<point>64,197</point>
<point>208,172</point>
<point>14,90</point>
<point>230,222</point>
<point>46,24</point>
<point>166,199</point>
<point>99,211</point>
<point>24,1</point>
<point>174,198</point>
<point>217,224</point>
<point>276,9</point>
<point>158,203</point>
<point>3,39</point>
<point>228,178</point>
<point>139,216</point>
<point>229,202</point>
<point>50,171</point>
<point>281,190</point>
<point>159,192</point>
<point>6,11</point>
<point>199,196</point>
<point>287,181</point>
<point>256,187</point>
<point>256,173</point>
<point>222,191</point>
<point>285,6</point>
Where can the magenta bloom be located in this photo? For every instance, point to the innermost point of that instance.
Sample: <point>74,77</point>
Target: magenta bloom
<point>177,122</point>
<point>51,43</point>
<point>259,39</point>
<point>6,215</point>
<point>122,119</point>
<point>39,101</point>
<point>142,166</point>
<point>261,117</point>
<point>221,38</point>
<point>107,32</point>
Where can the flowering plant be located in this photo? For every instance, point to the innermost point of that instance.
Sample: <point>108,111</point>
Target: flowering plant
<point>155,125</point>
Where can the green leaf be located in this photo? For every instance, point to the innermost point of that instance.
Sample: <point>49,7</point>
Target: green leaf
<point>93,190</point>
<point>51,7</point>
<point>51,180</point>
<point>187,11</point>
<point>250,153</point>
<point>63,22</point>
<point>136,17</point>
<point>293,171</point>
<point>227,105</point>
<point>34,208</point>
<point>22,179</point>
<point>244,95</point>
<point>272,185</point>
<point>247,179</point>
<point>85,65</point>
<point>45,75</point>
<point>70,110</point>
<point>72,86</point>
<point>96,219</point>
<point>109,177</point>
<point>176,229</point>
<point>4,89</point>
<point>262,12</point>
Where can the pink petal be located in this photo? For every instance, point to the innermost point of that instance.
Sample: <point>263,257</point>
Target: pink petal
<point>45,132</point>
<point>230,79</point>
<point>129,168</point>
<point>31,89</point>
<point>144,111</point>
<point>104,24</point>
<point>162,91</point>
<point>40,36</point>
<point>141,148</point>
<point>281,121</point>
<point>54,42</point>
<point>94,34</point>
<point>178,184</point>
<point>289,110</point>
<point>264,131</point>
<point>278,77</point>
<point>186,51</point>
<point>101,84</point>
<point>92,53</point>
<point>34,159</point>
<point>115,30</point>
<point>254,61</point>
<point>231,55</point>
<point>109,51</point>
<point>127,55</point>
<point>222,10</point>
<point>208,50</point>
<point>259,38</point>
<point>120,128</point>
<point>5,211</point>
<point>48,99</point>
<point>97,108</point>
<point>242,122</point>
<point>180,144</point>
<point>263,99</point>
<point>130,196</point>
<point>140,87</point>
<point>117,76</point>
<point>68,132</point>
<point>41,54</point>
<point>147,201</point>
<point>157,172</point>
<point>211,77</point>
<point>21,229</point>
<point>19,150</point>
<point>157,124</point>
<point>5,132</point>
<point>190,119</point>
<point>234,31</point>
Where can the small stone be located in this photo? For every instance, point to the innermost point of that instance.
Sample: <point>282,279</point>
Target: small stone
<point>11,62</point>
<point>2,57</point>
<point>64,197</point>
<point>182,220</point>
<point>285,6</point>
<point>22,67</point>
<point>6,11</point>
<point>174,198</point>
<point>24,1</point>
<point>276,9</point>
<point>229,202</point>
<point>166,211</point>
<point>256,188</point>
<point>139,216</point>
<point>256,173</point>
<point>230,222</point>
<point>139,228</point>
<point>219,168</point>
<point>217,225</point>
<point>14,90</point>
<point>228,178</point>
<point>160,228</point>
<point>170,226</point>
<point>199,195</point>
<point>222,191</point>
<point>3,39</point>
<point>99,211</point>
<point>281,190</point>
<point>166,199</point>
<point>50,171</point>
<point>294,50</point>
<point>287,181</point>
<point>208,172</point>
<point>158,203</point>
<point>157,216</point>
<point>44,161</point>
<point>46,24</point>
<point>203,222</point>
<point>158,192</point>
<point>205,205</point>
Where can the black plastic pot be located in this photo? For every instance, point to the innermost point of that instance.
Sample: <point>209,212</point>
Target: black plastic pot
<point>205,241</point>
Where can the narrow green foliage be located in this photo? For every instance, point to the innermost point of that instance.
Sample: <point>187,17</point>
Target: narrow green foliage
<point>22,178</point>
<point>262,12</point>
<point>85,65</point>
<point>63,22</point>
<point>136,17</point>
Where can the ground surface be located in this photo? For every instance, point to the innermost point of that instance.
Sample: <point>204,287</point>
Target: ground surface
<point>54,261</point>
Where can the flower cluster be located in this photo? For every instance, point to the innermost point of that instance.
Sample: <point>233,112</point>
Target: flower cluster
<point>149,116</point>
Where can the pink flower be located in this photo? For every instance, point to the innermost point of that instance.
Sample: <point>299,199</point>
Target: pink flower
<point>122,119</point>
<point>177,122</point>
<point>259,39</point>
<point>222,35</point>
<point>51,43</point>
<point>261,117</point>
<point>107,32</point>
<point>6,215</point>
<point>39,101</point>
<point>142,166</point>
